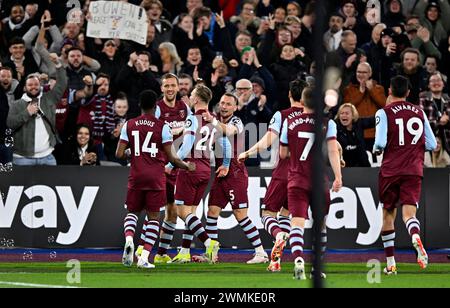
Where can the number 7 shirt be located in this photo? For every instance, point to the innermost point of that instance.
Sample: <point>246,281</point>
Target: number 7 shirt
<point>404,133</point>
<point>146,136</point>
<point>298,135</point>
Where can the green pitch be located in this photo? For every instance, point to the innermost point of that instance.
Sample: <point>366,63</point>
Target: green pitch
<point>226,275</point>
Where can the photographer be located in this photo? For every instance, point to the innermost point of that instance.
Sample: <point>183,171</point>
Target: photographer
<point>33,120</point>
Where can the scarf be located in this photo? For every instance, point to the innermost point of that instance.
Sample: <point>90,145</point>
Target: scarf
<point>103,119</point>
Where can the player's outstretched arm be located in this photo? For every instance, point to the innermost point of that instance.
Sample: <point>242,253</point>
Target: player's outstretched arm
<point>223,170</point>
<point>263,144</point>
<point>175,160</point>
<point>430,139</point>
<point>335,162</point>
<point>381,131</point>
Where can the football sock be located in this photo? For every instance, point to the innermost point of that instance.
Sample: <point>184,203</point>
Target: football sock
<point>130,224</point>
<point>251,232</point>
<point>211,228</point>
<point>296,241</point>
<point>195,225</point>
<point>271,225</point>
<point>168,229</point>
<point>151,234</point>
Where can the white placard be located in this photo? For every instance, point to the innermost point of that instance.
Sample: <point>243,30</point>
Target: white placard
<point>117,20</point>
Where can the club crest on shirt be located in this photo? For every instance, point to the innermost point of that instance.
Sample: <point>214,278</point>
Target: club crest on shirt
<point>182,113</point>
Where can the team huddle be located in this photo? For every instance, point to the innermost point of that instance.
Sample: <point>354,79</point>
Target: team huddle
<point>161,176</point>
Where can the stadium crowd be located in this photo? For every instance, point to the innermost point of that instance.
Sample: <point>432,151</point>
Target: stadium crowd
<point>64,97</point>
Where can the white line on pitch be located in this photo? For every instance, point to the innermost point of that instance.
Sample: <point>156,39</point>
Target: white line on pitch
<point>33,285</point>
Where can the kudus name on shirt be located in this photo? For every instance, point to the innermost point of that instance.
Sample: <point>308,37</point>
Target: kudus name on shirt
<point>145,123</point>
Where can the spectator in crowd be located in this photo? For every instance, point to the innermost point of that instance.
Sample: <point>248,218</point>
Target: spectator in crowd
<point>53,31</point>
<point>280,15</point>
<point>33,120</point>
<point>332,38</point>
<point>294,9</point>
<point>206,23</point>
<point>80,150</point>
<point>350,135</point>
<point>171,61</point>
<point>76,73</point>
<point>222,80</point>
<point>5,152</point>
<point>393,13</point>
<point>294,24</point>
<point>431,17</point>
<point>413,70</point>
<point>367,96</point>
<point>349,11</point>
<point>195,66</point>
<point>347,57</point>
<point>184,34</point>
<point>364,26</point>
<point>308,21</point>
<point>375,39</point>
<point>432,66</point>
<point>120,117</point>
<point>110,58</point>
<point>382,58</point>
<point>87,63</point>
<point>247,19</point>
<point>98,113</point>
<point>439,158</point>
<point>17,24</point>
<point>420,38</point>
<point>21,61</point>
<point>163,28</point>
<point>186,85</point>
<point>150,47</point>
<point>251,109</point>
<point>134,78</point>
<point>288,68</point>
<point>8,85</point>
<point>252,68</point>
<point>436,105</point>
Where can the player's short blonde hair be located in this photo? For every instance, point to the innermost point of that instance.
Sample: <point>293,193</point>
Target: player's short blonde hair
<point>355,113</point>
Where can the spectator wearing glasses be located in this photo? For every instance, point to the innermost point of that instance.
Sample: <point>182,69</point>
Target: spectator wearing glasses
<point>367,96</point>
<point>251,109</point>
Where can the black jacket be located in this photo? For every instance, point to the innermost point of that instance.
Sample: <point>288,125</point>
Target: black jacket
<point>71,156</point>
<point>251,114</point>
<point>133,83</point>
<point>284,72</point>
<point>418,83</point>
<point>352,142</point>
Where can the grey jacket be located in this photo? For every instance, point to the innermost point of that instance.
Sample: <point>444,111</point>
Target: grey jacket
<point>24,125</point>
<point>442,26</point>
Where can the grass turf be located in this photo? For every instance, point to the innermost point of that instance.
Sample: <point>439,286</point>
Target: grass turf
<point>226,275</point>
